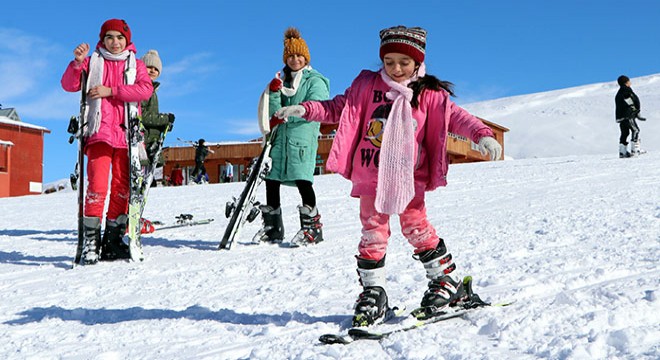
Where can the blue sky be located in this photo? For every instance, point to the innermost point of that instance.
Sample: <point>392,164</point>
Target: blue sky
<point>219,56</point>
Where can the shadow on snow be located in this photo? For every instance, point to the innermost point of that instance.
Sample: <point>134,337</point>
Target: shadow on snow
<point>114,316</point>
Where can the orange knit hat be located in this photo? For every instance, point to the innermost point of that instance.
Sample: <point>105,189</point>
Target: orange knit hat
<point>294,44</point>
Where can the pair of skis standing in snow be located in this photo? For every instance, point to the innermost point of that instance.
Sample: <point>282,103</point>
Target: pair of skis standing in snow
<point>110,132</point>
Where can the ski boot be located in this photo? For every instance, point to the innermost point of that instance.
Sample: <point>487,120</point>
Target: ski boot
<point>273,227</point>
<point>92,237</point>
<point>444,290</point>
<point>623,151</point>
<point>371,304</point>
<point>310,227</point>
<point>113,246</point>
<point>635,149</point>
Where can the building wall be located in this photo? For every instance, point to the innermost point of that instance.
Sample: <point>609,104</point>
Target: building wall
<point>26,168</point>
<point>459,149</point>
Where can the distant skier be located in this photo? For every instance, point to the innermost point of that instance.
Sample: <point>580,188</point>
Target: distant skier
<point>392,144</point>
<point>108,94</point>
<point>153,121</point>
<point>294,144</point>
<point>201,152</point>
<point>628,110</point>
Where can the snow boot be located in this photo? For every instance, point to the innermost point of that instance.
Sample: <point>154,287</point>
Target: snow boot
<point>113,246</point>
<point>273,227</point>
<point>371,305</point>
<point>92,240</point>
<point>635,148</point>
<point>444,290</point>
<point>623,151</point>
<point>310,227</point>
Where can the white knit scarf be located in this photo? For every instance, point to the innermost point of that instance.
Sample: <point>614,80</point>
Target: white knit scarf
<point>396,169</point>
<point>264,99</point>
<point>95,78</point>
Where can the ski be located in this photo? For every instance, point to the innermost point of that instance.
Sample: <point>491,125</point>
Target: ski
<point>76,129</point>
<point>183,220</point>
<point>135,139</point>
<point>245,208</point>
<point>422,317</point>
<point>390,313</point>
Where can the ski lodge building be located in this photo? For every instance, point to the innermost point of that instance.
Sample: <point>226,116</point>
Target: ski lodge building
<point>240,154</point>
<point>21,155</point>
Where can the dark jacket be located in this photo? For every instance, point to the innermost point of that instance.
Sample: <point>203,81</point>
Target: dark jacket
<point>627,103</point>
<point>201,151</point>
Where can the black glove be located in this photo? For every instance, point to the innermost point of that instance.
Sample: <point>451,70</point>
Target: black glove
<point>170,118</point>
<point>640,118</point>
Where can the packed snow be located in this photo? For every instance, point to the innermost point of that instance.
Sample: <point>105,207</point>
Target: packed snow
<point>568,231</point>
<point>574,241</point>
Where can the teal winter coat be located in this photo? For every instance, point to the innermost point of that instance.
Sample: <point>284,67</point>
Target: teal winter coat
<point>295,143</point>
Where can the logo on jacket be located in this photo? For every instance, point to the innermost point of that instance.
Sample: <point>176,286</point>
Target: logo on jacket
<point>376,124</point>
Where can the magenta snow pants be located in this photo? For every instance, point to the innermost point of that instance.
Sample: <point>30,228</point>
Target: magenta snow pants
<point>376,228</point>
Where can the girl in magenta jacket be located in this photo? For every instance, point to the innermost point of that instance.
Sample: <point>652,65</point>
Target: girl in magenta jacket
<point>392,144</point>
<point>116,83</point>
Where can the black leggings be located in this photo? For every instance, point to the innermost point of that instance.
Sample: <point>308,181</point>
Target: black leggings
<point>304,188</point>
<point>628,126</point>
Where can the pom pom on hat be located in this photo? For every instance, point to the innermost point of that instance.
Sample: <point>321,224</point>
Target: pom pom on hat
<point>403,40</point>
<point>151,58</point>
<point>294,44</point>
<point>116,25</point>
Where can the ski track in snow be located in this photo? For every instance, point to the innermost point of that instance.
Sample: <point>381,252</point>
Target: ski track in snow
<point>573,240</point>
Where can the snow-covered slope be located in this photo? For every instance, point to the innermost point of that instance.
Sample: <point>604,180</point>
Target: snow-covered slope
<point>572,121</point>
<point>574,240</point>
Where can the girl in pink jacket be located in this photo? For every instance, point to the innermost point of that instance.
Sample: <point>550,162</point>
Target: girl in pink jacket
<point>116,83</point>
<point>391,144</point>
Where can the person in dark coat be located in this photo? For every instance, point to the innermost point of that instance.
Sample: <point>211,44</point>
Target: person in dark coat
<point>153,121</point>
<point>201,152</point>
<point>627,113</point>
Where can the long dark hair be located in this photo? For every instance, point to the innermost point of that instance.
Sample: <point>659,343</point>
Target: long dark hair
<point>429,82</point>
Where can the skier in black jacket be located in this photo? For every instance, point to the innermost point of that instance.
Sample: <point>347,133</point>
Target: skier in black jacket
<point>201,151</point>
<point>627,113</point>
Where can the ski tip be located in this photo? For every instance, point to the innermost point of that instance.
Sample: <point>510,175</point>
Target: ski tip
<point>335,339</point>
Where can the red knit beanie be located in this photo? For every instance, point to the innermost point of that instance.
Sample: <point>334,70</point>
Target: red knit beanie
<point>116,25</point>
<point>403,40</point>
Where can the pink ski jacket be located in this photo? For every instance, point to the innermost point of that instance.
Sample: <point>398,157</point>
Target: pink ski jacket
<point>349,111</point>
<point>112,130</point>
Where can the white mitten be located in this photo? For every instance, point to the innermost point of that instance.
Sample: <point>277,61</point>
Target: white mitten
<point>488,145</point>
<point>293,110</point>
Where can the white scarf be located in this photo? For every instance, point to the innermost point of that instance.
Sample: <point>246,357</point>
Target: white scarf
<point>396,169</point>
<point>264,100</point>
<point>95,78</point>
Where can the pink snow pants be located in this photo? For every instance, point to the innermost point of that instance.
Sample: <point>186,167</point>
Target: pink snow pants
<point>100,157</point>
<point>376,228</point>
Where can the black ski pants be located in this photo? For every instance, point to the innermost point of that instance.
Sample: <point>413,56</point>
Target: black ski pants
<point>627,127</point>
<point>304,188</point>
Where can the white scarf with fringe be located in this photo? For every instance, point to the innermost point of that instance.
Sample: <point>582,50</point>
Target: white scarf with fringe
<point>95,78</point>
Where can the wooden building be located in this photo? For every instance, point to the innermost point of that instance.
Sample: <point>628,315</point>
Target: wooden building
<point>21,155</point>
<point>240,154</point>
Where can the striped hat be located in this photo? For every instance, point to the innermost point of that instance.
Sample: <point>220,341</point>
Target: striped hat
<point>403,40</point>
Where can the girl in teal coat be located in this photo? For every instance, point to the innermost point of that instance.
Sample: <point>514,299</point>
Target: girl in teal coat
<point>294,144</point>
